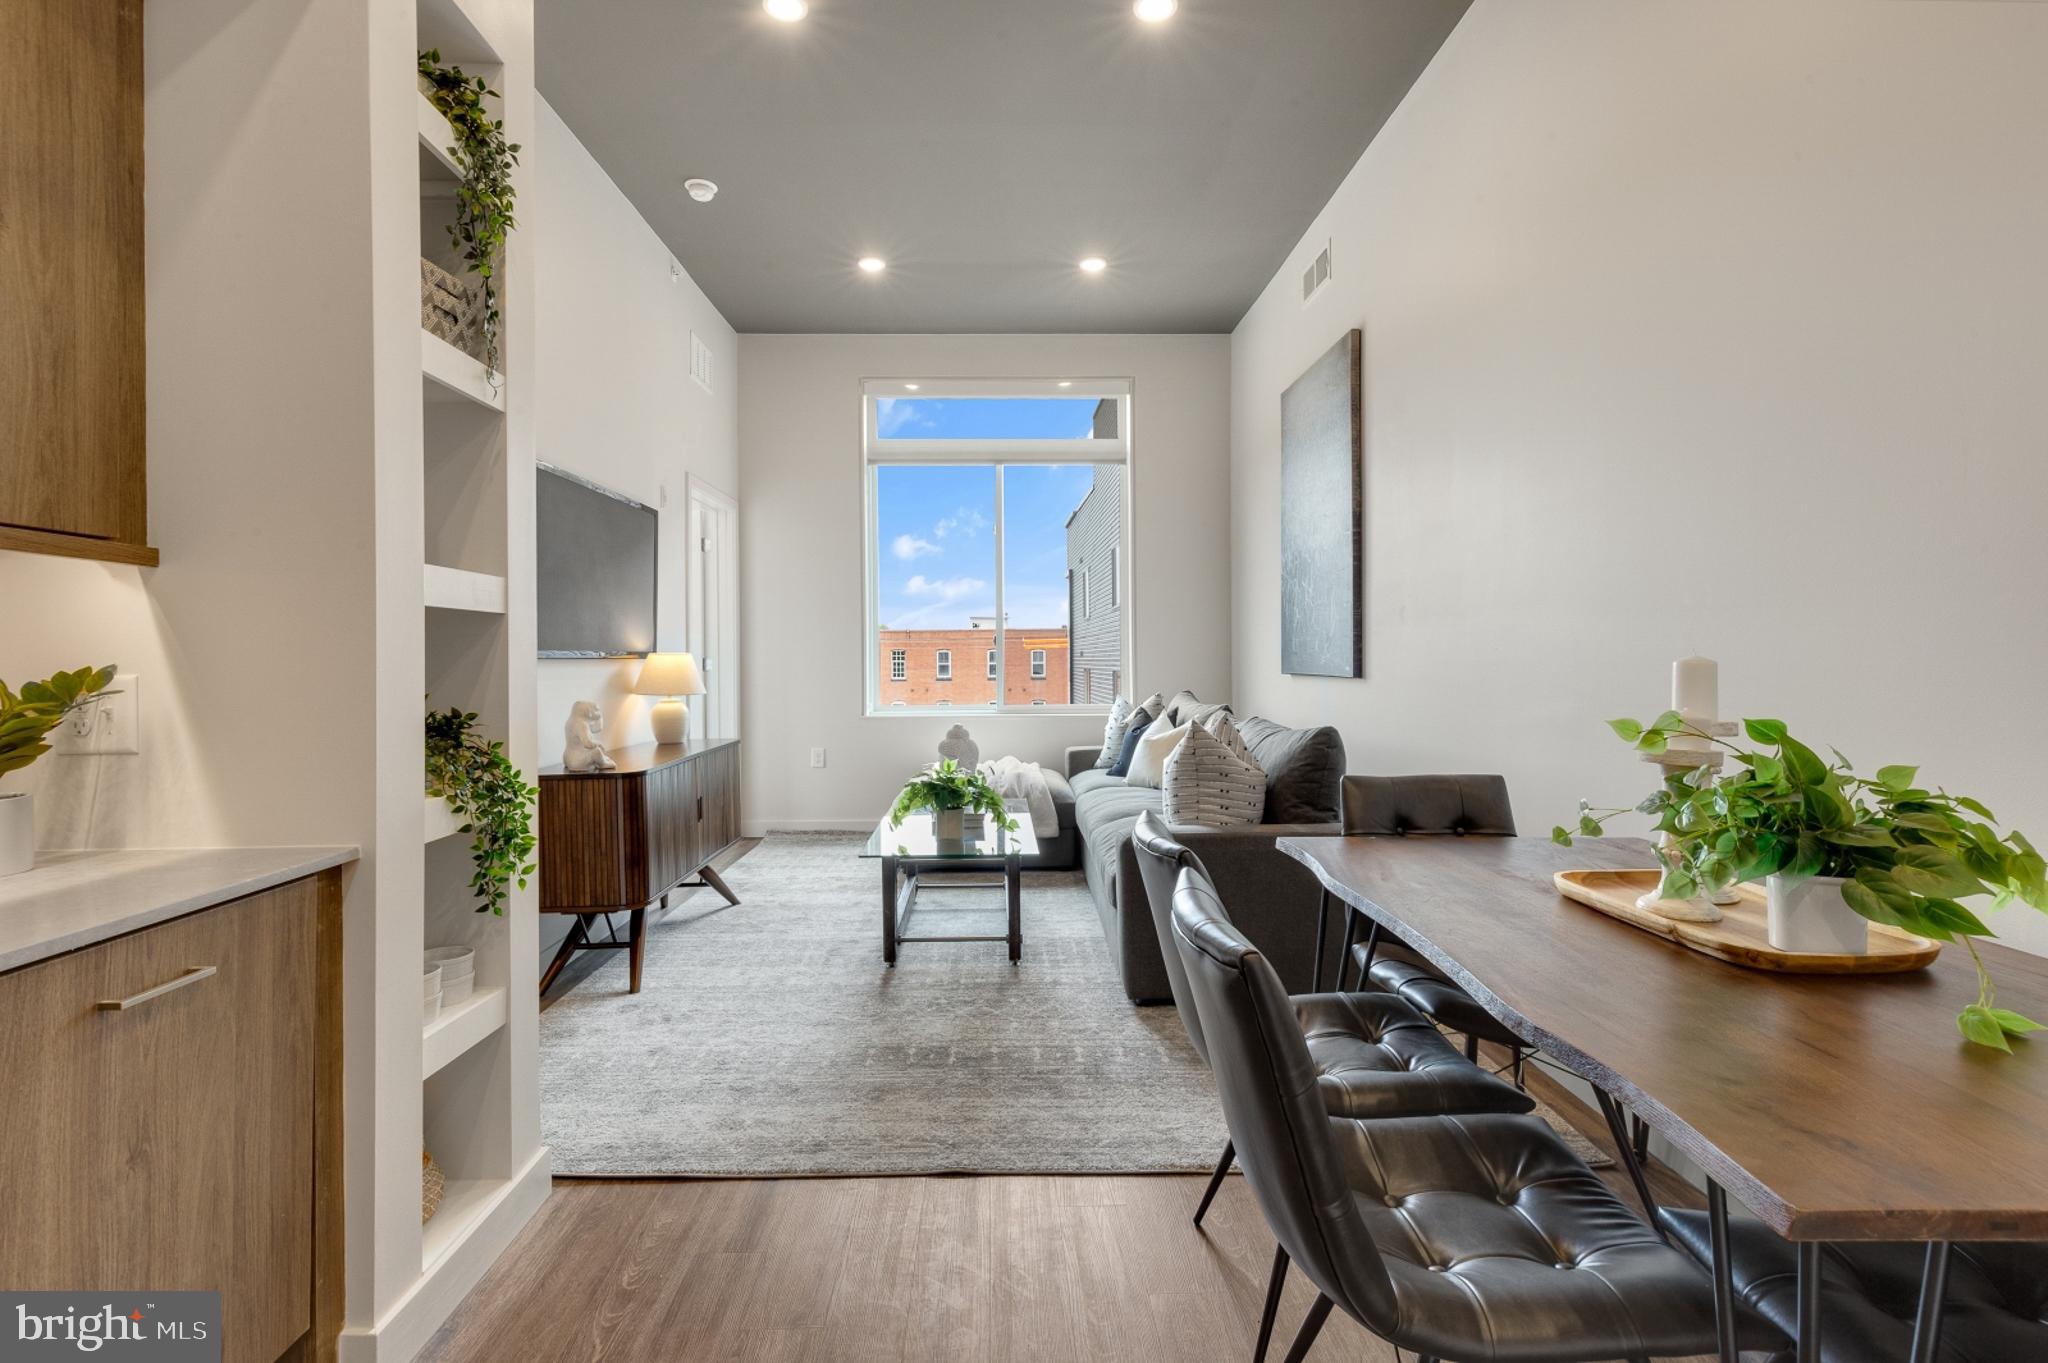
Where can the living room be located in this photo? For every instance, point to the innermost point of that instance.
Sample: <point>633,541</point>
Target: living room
<point>1286,460</point>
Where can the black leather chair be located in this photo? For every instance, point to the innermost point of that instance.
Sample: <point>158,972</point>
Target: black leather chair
<point>1427,806</point>
<point>1374,1055</point>
<point>1476,1238</point>
<point>1995,1308</point>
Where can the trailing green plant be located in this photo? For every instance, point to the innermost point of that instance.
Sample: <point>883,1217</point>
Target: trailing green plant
<point>952,786</point>
<point>483,201</point>
<point>490,796</point>
<point>27,718</point>
<point>1909,855</point>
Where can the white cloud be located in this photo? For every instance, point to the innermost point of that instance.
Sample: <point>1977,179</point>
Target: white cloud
<point>908,547</point>
<point>944,588</point>
<point>964,521</point>
<point>893,416</point>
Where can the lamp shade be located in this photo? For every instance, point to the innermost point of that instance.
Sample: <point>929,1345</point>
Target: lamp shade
<point>669,674</point>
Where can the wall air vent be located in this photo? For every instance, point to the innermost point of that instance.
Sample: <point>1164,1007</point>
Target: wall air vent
<point>700,362</point>
<point>1316,275</point>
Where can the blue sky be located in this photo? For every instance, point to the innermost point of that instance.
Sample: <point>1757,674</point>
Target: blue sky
<point>985,418</point>
<point>938,544</point>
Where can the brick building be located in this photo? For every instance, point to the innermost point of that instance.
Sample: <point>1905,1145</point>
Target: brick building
<point>957,667</point>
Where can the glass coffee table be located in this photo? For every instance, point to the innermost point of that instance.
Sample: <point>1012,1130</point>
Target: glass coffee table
<point>913,846</point>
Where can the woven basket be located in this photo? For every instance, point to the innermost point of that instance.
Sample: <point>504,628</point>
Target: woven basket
<point>452,308</point>
<point>433,1186</point>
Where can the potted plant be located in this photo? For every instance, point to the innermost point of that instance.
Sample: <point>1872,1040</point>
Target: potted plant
<point>493,800</point>
<point>483,201</point>
<point>1832,846</point>
<point>26,720</point>
<point>949,791</point>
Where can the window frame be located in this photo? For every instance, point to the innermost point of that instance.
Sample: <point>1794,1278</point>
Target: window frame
<point>942,665</point>
<point>1037,663</point>
<point>899,664</point>
<point>876,452</point>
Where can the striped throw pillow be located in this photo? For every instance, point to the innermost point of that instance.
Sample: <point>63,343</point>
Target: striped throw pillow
<point>1206,783</point>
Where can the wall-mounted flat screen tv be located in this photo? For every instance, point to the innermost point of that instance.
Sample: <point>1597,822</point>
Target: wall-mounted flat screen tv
<point>595,569</point>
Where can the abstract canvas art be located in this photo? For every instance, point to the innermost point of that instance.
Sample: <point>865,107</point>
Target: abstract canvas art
<point>1322,522</point>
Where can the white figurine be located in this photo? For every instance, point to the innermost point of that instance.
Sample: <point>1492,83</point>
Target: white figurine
<point>584,752</point>
<point>961,748</point>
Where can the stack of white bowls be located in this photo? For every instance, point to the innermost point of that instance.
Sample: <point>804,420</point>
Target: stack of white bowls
<point>458,972</point>
<point>430,993</point>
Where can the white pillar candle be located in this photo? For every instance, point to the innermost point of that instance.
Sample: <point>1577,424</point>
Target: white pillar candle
<point>1696,688</point>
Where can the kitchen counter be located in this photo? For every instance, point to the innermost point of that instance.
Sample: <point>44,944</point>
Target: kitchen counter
<point>73,899</point>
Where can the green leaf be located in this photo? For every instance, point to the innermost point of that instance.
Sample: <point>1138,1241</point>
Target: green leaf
<point>1979,810</point>
<point>1802,763</point>
<point>1864,900</point>
<point>1764,730</point>
<point>1980,1025</point>
<point>2015,1024</point>
<point>1628,730</point>
<point>1652,741</point>
<point>1670,722</point>
<point>1897,778</point>
<point>1590,826</point>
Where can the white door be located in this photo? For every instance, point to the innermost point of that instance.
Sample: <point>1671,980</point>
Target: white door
<point>713,608</point>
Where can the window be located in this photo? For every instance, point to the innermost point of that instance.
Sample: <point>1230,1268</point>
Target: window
<point>991,508</point>
<point>899,664</point>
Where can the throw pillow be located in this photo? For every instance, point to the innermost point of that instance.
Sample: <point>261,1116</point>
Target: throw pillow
<point>1208,784</point>
<point>1148,764</point>
<point>1139,723</point>
<point>1153,705</point>
<point>1202,714</point>
<point>1113,734</point>
<point>1304,770</point>
<point>1177,708</point>
<point>1224,728</point>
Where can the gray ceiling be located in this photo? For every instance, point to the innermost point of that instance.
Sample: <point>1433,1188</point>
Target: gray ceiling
<point>983,147</point>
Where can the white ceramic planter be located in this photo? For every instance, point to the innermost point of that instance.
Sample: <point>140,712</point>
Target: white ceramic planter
<point>949,823</point>
<point>17,833</point>
<point>1811,916</point>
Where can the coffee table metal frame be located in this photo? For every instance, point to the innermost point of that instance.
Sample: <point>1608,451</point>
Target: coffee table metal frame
<point>901,882</point>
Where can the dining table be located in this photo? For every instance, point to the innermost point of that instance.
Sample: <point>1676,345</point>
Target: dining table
<point>1841,1107</point>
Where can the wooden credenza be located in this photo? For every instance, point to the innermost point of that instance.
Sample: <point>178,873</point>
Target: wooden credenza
<point>170,1113</point>
<point>616,841</point>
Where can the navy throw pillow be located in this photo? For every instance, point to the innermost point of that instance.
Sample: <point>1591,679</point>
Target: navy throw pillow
<point>1141,723</point>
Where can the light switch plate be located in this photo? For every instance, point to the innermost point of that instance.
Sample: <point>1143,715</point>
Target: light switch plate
<point>110,725</point>
<point>817,757</point>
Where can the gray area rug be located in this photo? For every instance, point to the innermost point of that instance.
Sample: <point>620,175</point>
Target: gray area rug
<point>769,1039</point>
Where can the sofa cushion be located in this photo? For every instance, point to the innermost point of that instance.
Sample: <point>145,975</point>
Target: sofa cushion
<point>1062,792</point>
<point>1304,770</point>
<point>1208,783</point>
<point>1105,811</point>
<point>1094,779</point>
<point>1132,737</point>
<point>1148,763</point>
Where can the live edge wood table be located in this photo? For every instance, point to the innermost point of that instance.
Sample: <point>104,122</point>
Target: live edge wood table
<point>1836,1108</point>
<point>616,841</point>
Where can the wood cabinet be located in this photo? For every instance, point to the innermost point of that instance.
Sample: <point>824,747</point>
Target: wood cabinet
<point>72,399</point>
<point>172,1143</point>
<point>615,841</point>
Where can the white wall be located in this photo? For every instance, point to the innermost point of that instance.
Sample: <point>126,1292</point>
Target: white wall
<point>1689,326</point>
<point>801,546</point>
<point>615,401</point>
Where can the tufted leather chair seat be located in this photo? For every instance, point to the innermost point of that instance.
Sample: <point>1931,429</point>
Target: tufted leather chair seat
<point>1995,1310</point>
<point>1417,983</point>
<point>1479,1238</point>
<point>1377,1057</point>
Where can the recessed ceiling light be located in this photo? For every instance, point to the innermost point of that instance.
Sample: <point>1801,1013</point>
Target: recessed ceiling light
<point>873,264</point>
<point>911,386</point>
<point>703,191</point>
<point>1155,11</point>
<point>1094,265</point>
<point>1066,383</point>
<point>789,11</point>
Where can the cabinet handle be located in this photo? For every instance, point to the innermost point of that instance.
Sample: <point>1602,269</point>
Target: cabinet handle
<point>192,976</point>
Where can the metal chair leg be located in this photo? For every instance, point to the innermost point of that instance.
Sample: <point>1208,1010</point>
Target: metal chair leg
<point>1723,1273</point>
<point>1310,1328</point>
<point>1279,1280</point>
<point>1619,1133</point>
<point>1216,1179</point>
<point>1315,982</point>
<point>1933,1287</point>
<point>1808,1344</point>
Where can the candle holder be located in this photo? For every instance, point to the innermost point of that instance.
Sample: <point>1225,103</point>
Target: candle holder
<point>1698,909</point>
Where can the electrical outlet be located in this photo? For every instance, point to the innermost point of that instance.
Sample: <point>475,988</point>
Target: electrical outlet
<point>817,757</point>
<point>111,724</point>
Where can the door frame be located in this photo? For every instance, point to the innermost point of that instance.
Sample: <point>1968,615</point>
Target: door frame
<point>702,495</point>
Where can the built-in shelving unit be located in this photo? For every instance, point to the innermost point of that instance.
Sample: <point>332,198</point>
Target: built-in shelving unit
<point>464,1087</point>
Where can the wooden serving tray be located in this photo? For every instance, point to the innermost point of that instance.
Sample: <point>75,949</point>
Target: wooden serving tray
<point>1741,937</point>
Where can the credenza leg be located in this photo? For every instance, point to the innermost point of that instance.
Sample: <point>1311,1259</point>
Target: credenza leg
<point>579,929</point>
<point>636,934</point>
<point>716,882</point>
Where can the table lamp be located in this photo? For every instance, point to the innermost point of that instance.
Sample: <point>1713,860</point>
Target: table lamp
<point>670,676</point>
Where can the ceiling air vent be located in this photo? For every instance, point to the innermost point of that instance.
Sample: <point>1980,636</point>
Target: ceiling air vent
<point>1316,275</point>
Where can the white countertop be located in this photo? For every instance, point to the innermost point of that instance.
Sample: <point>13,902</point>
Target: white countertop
<point>73,899</point>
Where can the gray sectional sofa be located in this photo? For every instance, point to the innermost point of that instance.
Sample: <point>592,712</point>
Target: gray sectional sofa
<point>1273,898</point>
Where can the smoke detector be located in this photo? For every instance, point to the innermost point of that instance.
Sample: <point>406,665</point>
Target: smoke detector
<point>703,191</point>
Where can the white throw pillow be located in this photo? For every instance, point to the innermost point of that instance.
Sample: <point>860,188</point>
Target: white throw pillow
<point>1208,784</point>
<point>1148,762</point>
<point>1113,733</point>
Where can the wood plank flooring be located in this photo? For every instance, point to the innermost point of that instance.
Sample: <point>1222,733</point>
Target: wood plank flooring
<point>890,1270</point>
